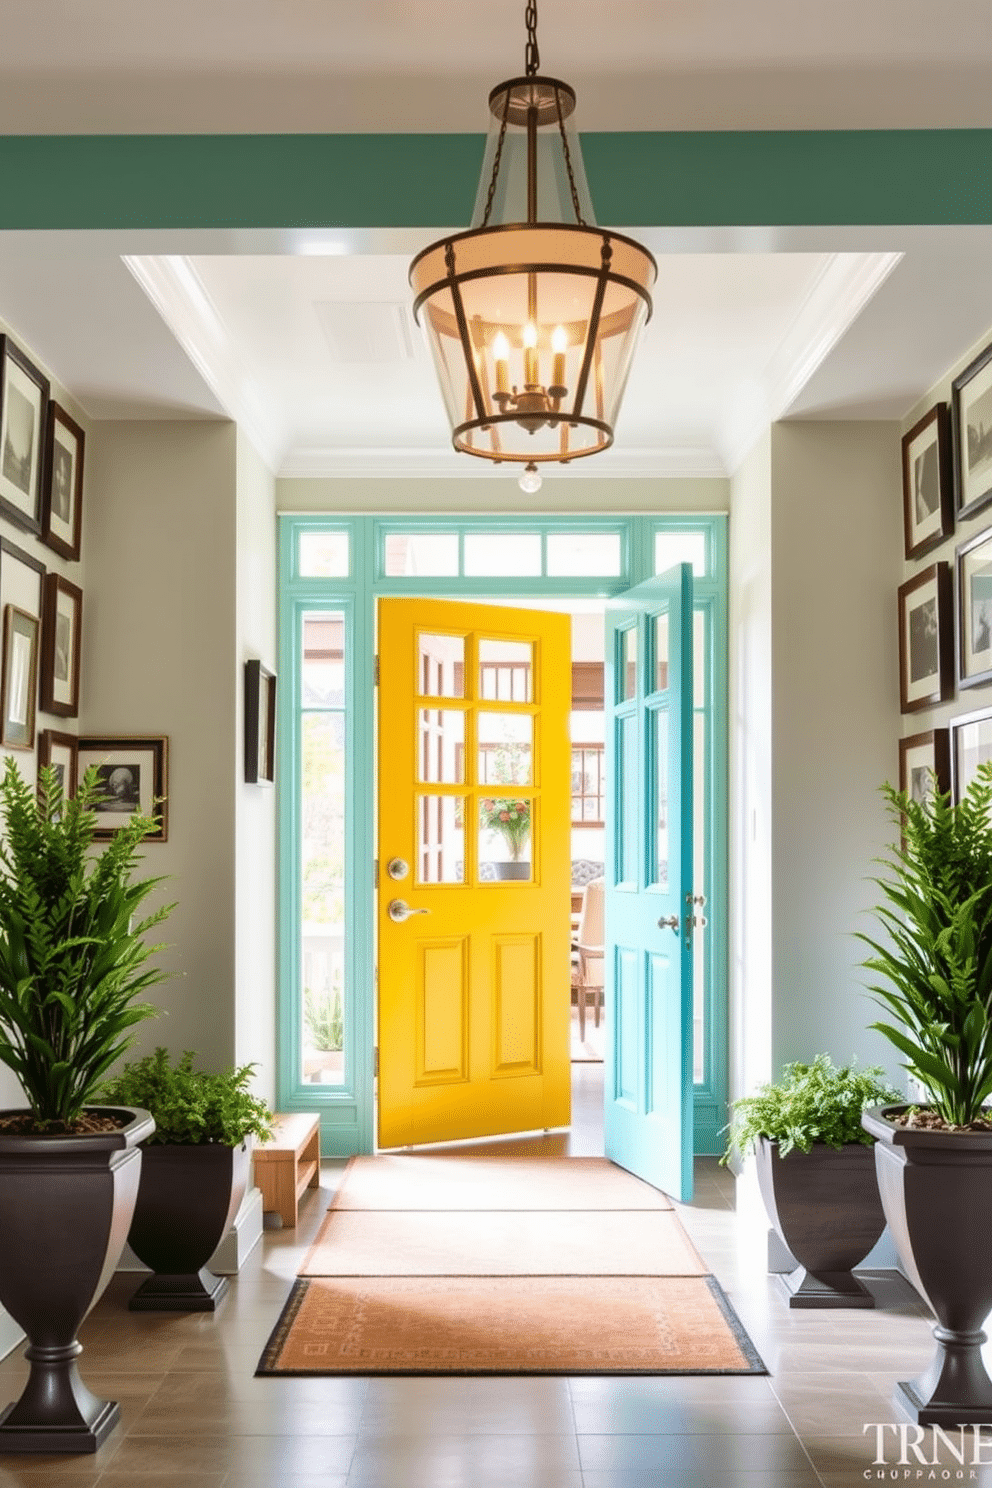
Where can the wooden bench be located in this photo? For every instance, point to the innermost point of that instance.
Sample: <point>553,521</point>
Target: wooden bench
<point>288,1164</point>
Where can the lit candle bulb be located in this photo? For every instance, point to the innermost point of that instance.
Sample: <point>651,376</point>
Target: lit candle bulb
<point>559,340</point>
<point>530,355</point>
<point>501,360</point>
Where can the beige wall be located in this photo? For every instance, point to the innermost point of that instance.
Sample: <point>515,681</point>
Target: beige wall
<point>255,856</point>
<point>835,724</point>
<point>161,657</point>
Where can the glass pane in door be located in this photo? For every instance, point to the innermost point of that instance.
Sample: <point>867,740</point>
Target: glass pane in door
<point>322,872</point>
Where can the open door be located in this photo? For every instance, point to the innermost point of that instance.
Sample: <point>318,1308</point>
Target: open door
<point>473,871</point>
<point>648,1080</point>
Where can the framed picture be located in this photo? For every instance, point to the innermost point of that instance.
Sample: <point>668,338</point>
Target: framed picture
<point>23,413</point>
<point>62,483</point>
<point>133,774</point>
<point>19,687</point>
<point>60,751</point>
<point>971,403</point>
<point>926,640</point>
<point>922,757</point>
<point>974,612</point>
<point>260,724</point>
<point>927,482</point>
<point>971,746</point>
<point>61,637</point>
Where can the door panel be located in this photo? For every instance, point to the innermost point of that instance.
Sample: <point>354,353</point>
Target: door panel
<point>474,800</point>
<point>648,1085</point>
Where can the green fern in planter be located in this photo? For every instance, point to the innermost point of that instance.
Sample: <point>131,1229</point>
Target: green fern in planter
<point>811,1103</point>
<point>191,1106</point>
<point>937,959</point>
<point>72,947</point>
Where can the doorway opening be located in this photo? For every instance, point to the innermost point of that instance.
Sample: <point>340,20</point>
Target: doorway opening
<point>333,570</point>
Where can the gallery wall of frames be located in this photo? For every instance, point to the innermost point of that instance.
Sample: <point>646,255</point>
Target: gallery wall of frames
<point>945,602</point>
<point>42,510</point>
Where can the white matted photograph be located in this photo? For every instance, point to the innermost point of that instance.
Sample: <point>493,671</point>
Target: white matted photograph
<point>926,641</point>
<point>20,678</point>
<point>971,394</point>
<point>62,494</point>
<point>974,586</point>
<point>133,776</point>
<point>927,482</point>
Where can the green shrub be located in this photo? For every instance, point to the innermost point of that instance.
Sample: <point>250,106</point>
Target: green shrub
<point>191,1106</point>
<point>811,1103</point>
<point>324,1021</point>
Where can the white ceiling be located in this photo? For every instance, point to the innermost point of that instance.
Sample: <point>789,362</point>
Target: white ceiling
<point>301,65</point>
<point>307,337</point>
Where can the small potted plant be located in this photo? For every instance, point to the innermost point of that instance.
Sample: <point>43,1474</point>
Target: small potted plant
<point>511,820</point>
<point>73,954</point>
<point>194,1173</point>
<point>816,1171</point>
<point>935,1159</point>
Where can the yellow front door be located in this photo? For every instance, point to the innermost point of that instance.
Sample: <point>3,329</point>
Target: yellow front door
<point>474,870</point>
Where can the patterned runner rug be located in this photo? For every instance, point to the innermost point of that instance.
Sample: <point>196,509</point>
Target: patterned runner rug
<point>574,1267</point>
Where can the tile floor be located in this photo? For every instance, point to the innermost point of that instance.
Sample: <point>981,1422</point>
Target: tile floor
<point>194,1416</point>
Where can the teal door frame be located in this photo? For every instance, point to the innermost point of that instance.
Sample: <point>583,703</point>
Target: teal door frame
<point>347,1111</point>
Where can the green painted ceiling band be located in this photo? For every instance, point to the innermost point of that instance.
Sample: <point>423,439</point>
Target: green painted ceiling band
<point>401,180</point>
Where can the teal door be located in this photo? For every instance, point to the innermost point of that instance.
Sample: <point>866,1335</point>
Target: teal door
<point>648,1085</point>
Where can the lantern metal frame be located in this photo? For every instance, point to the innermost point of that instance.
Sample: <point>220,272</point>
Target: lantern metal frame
<point>571,250</point>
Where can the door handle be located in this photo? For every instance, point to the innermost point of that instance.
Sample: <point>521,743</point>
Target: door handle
<point>398,911</point>
<point>672,923</point>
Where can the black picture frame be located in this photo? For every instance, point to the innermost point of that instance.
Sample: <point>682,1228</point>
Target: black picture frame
<point>971,403</point>
<point>62,486</point>
<point>928,482</point>
<point>62,751</point>
<point>24,392</point>
<point>926,639</point>
<point>19,685</point>
<point>61,646</point>
<point>142,784</point>
<point>919,755</point>
<point>973,582</point>
<point>260,724</point>
<point>971,746</point>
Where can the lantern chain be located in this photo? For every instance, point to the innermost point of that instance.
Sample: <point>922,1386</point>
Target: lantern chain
<point>496,160</point>
<point>532,55</point>
<point>568,163</point>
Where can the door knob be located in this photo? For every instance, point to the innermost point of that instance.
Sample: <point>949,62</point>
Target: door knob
<point>398,911</point>
<point>397,868</point>
<point>672,923</point>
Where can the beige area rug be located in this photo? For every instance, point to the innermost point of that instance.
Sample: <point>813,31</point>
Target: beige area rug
<point>580,1269</point>
<point>422,1181</point>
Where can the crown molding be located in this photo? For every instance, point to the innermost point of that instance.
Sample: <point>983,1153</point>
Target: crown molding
<point>441,464</point>
<point>838,295</point>
<point>175,289</point>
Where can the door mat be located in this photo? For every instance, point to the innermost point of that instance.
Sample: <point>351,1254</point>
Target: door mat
<point>461,1325</point>
<point>582,1269</point>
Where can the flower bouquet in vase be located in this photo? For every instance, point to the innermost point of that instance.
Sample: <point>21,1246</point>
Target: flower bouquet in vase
<point>511,820</point>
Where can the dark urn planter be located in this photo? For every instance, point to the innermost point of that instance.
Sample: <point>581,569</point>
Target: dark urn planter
<point>936,1188</point>
<point>824,1205</point>
<point>512,871</point>
<point>65,1206</point>
<point>187,1198</point>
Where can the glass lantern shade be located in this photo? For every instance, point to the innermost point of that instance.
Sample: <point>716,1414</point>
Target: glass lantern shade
<point>532,323</point>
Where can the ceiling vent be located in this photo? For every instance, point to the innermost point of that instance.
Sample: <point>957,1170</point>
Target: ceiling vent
<point>366,330</point>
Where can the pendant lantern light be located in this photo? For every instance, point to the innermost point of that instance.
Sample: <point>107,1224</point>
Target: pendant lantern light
<point>532,315</point>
